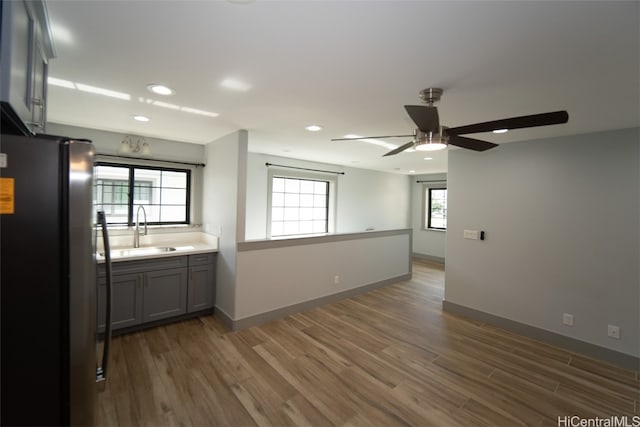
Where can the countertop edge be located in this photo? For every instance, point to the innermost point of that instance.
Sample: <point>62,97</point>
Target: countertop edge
<point>199,249</point>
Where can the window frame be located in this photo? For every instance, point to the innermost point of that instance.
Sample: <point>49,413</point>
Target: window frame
<point>309,176</point>
<point>131,185</point>
<point>426,217</point>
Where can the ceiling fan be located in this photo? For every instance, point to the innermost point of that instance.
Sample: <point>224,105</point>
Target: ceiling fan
<point>430,136</point>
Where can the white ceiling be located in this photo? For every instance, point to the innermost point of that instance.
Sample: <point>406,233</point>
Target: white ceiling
<point>349,66</point>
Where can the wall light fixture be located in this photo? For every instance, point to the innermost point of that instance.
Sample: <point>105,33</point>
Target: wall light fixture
<point>132,144</point>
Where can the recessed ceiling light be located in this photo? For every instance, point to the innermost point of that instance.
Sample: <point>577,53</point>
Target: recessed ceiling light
<point>235,84</point>
<point>160,89</point>
<point>501,131</point>
<point>428,158</point>
<point>412,171</point>
<point>141,118</point>
<point>313,128</point>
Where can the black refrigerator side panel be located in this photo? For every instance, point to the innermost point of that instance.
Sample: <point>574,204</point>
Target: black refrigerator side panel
<point>33,289</point>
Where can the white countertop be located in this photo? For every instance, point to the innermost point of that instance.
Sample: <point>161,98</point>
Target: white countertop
<point>184,244</point>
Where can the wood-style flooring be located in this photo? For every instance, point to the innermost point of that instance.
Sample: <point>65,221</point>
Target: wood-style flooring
<point>389,357</point>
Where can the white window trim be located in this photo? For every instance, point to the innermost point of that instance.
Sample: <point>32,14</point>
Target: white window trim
<point>317,176</point>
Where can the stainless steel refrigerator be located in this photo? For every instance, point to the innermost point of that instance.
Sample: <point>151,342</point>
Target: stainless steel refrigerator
<point>47,281</point>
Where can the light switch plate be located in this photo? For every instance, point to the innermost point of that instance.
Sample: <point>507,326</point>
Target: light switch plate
<point>472,234</point>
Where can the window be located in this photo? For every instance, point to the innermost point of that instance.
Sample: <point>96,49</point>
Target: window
<point>436,208</point>
<point>120,189</point>
<point>300,206</point>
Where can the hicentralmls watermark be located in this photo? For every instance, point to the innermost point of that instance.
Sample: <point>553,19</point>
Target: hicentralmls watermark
<point>612,421</point>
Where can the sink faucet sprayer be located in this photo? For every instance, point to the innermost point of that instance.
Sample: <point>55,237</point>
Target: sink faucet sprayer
<point>136,231</point>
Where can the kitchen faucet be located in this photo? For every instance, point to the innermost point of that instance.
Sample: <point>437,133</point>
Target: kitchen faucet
<point>136,231</point>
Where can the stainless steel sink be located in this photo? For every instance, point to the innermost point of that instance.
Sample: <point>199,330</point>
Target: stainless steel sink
<point>122,253</point>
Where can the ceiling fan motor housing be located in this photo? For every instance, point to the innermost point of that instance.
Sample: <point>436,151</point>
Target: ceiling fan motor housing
<point>431,95</point>
<point>431,136</point>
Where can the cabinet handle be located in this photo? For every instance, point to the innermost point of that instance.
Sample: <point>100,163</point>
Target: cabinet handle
<point>37,102</point>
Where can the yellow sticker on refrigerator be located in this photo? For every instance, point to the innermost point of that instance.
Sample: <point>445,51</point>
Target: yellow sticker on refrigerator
<point>7,196</point>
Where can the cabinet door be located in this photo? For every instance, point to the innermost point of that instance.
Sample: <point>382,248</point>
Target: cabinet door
<point>18,34</point>
<point>201,287</point>
<point>39,86</point>
<point>165,294</point>
<point>126,306</point>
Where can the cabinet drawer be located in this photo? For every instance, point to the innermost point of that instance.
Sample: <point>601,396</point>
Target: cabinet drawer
<point>202,259</point>
<point>140,266</point>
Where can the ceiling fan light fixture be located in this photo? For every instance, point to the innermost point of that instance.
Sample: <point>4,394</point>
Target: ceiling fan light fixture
<point>430,146</point>
<point>431,141</point>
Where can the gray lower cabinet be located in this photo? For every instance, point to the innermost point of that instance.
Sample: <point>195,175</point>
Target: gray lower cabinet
<point>202,273</point>
<point>127,301</point>
<point>165,294</point>
<point>149,290</point>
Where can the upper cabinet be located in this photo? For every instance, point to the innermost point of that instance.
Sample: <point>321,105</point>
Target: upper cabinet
<point>26,46</point>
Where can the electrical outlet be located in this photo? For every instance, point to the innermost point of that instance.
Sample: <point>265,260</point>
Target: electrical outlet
<point>613,331</point>
<point>336,280</point>
<point>567,319</point>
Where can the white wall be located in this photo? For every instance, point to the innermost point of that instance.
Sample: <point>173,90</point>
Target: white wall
<point>365,198</point>
<point>372,199</point>
<point>223,209</point>
<point>429,244</point>
<point>561,218</point>
<point>272,278</point>
<point>107,142</point>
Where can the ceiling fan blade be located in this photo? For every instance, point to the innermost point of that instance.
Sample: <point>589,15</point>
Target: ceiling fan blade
<point>399,149</point>
<point>544,119</point>
<point>424,116</point>
<point>372,137</point>
<point>470,143</point>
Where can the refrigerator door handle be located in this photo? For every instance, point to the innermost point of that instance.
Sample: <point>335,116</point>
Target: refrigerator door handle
<point>101,374</point>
